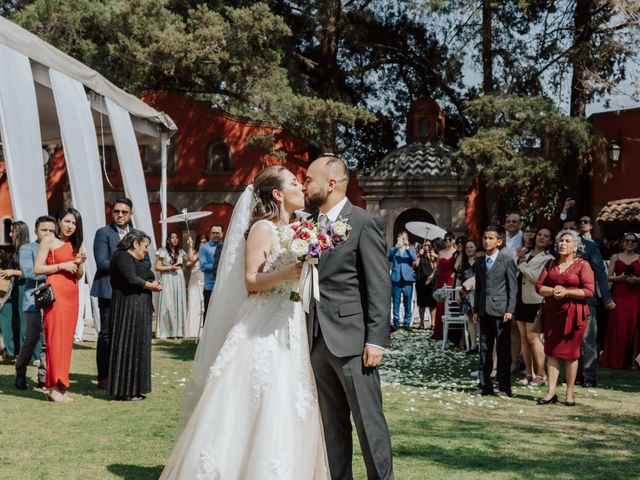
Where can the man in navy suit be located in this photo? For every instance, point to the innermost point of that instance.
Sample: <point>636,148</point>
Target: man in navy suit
<point>104,244</point>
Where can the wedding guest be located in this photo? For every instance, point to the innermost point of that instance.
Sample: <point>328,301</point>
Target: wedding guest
<point>624,274</point>
<point>61,258</point>
<point>494,304</point>
<point>104,244</point>
<point>565,285</point>
<point>132,283</point>
<point>195,297</point>
<point>530,264</point>
<point>514,234</point>
<point>424,266</point>
<point>34,333</point>
<point>209,255</point>
<point>172,302</point>
<point>443,276</point>
<point>402,256</point>
<point>465,279</point>
<point>12,324</point>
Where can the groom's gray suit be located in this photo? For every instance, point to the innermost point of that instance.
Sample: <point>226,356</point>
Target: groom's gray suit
<point>354,309</point>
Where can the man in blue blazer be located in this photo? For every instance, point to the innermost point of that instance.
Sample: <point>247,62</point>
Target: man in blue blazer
<point>402,279</point>
<point>104,244</point>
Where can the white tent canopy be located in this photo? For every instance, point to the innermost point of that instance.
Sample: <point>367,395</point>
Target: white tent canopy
<point>49,98</point>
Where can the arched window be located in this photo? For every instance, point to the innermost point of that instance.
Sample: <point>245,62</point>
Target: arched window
<point>218,157</point>
<point>5,230</point>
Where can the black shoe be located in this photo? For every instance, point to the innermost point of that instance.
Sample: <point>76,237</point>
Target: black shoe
<point>41,384</point>
<point>472,351</point>
<point>542,401</point>
<point>21,381</point>
<point>590,384</point>
<point>407,328</point>
<point>570,404</point>
<point>394,328</point>
<point>481,392</point>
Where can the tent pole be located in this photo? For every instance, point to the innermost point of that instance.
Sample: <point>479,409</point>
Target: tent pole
<point>164,142</point>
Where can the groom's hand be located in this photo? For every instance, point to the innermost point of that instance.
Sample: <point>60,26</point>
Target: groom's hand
<point>372,356</point>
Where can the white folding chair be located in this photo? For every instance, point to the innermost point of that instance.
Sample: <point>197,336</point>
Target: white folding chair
<point>453,315</point>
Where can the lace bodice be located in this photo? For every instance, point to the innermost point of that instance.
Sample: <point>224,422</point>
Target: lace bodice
<point>278,258</point>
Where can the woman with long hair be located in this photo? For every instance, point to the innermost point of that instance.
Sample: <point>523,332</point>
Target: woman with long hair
<point>444,276</point>
<point>624,274</point>
<point>464,275</point>
<point>172,302</point>
<point>12,324</point>
<point>195,297</point>
<point>252,374</point>
<point>565,284</point>
<point>61,258</point>
<point>531,261</point>
<point>424,266</point>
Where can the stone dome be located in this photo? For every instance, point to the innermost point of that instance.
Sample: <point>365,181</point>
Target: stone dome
<point>416,160</point>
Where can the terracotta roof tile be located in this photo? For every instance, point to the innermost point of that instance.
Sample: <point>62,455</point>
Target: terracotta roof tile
<point>625,210</point>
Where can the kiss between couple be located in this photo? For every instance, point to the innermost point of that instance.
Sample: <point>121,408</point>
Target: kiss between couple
<point>272,389</point>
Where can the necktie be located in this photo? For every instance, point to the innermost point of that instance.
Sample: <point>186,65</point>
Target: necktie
<point>322,219</point>
<point>489,263</point>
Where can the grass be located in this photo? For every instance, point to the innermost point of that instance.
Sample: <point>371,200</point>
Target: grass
<point>438,429</point>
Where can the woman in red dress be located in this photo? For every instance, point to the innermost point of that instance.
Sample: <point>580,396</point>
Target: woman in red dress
<point>624,273</point>
<point>61,258</point>
<point>444,275</point>
<point>565,285</point>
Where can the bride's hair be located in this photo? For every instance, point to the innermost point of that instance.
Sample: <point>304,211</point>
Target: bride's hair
<point>265,182</point>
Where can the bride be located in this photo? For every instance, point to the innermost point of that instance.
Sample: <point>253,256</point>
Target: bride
<point>251,410</point>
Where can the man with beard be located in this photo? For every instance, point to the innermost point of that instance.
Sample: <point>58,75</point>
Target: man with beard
<point>349,327</point>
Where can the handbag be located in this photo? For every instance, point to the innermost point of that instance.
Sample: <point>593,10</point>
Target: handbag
<point>5,286</point>
<point>538,326</point>
<point>43,296</point>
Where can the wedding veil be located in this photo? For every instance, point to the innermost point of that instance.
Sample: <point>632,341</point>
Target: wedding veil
<point>228,295</point>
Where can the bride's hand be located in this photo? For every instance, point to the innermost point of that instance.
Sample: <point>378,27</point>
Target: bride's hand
<point>292,272</point>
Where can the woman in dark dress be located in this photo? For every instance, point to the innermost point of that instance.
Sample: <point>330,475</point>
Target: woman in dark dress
<point>424,266</point>
<point>565,285</point>
<point>130,317</point>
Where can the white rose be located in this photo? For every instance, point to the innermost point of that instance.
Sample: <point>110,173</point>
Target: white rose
<point>340,228</point>
<point>286,235</point>
<point>299,247</point>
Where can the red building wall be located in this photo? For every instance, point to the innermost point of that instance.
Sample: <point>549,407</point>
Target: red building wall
<point>623,127</point>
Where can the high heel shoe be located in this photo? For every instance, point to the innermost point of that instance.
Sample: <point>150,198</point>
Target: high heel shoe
<point>570,404</point>
<point>542,401</point>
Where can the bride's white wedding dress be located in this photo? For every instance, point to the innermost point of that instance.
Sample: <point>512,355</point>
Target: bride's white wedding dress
<point>258,416</point>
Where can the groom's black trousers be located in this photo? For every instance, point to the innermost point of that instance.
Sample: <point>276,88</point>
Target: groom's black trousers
<point>346,387</point>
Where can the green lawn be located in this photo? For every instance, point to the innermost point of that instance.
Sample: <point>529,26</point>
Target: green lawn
<point>438,429</point>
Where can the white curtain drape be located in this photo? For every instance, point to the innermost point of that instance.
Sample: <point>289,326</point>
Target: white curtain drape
<point>22,144</point>
<point>81,155</point>
<point>131,168</point>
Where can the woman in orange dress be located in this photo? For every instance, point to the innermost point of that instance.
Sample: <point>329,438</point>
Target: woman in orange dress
<point>61,259</point>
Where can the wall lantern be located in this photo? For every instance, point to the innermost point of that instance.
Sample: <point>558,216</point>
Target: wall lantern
<point>614,153</point>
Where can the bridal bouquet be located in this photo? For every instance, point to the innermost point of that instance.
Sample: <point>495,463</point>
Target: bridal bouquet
<point>307,239</point>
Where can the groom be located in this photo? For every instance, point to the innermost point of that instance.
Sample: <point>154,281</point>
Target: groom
<point>349,326</point>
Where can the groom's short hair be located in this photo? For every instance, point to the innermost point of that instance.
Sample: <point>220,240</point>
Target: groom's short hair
<point>335,160</point>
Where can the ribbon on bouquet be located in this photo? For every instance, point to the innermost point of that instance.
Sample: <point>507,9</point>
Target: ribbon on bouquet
<point>309,284</point>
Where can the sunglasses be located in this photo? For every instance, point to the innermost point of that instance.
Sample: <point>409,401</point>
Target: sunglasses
<point>448,239</point>
<point>124,212</point>
<point>585,222</point>
<point>631,240</point>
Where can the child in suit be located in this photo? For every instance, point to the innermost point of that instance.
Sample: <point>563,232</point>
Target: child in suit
<point>494,304</point>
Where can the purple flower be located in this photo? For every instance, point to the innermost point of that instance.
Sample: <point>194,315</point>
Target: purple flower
<point>314,250</point>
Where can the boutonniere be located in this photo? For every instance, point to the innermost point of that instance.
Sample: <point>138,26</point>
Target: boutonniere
<point>338,231</point>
